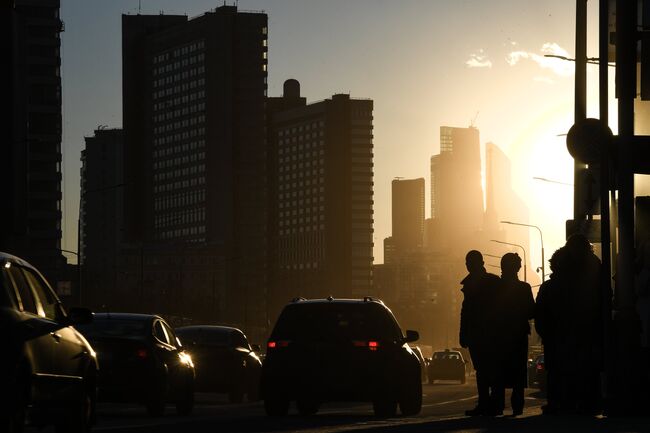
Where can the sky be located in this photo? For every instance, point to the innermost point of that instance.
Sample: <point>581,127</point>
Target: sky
<point>424,63</point>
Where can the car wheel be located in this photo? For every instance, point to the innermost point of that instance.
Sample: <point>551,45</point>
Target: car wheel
<point>384,408</point>
<point>307,406</point>
<point>80,418</point>
<point>156,405</point>
<point>276,406</point>
<point>17,408</point>
<point>185,404</point>
<point>411,401</point>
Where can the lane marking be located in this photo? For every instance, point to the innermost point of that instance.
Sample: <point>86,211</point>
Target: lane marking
<point>451,401</point>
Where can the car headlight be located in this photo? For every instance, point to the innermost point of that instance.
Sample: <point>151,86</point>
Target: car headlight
<point>185,359</point>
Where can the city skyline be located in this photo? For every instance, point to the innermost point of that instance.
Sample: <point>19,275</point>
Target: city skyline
<point>419,77</point>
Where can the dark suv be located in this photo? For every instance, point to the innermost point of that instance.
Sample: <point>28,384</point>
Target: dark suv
<point>48,370</point>
<point>340,350</point>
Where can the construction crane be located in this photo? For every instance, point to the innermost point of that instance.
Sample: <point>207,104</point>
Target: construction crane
<point>472,123</point>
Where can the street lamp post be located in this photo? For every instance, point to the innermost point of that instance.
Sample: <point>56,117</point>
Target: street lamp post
<point>522,249</point>
<point>541,239</point>
<point>78,270</point>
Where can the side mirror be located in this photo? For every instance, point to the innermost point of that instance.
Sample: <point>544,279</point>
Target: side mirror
<point>411,336</point>
<point>256,348</point>
<point>79,316</point>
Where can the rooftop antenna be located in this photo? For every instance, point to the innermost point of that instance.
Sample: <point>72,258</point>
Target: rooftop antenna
<point>398,177</point>
<point>139,6</point>
<point>472,123</point>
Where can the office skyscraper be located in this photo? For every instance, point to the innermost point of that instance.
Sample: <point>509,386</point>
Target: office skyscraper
<point>323,198</point>
<point>456,190</point>
<point>195,146</point>
<point>30,165</point>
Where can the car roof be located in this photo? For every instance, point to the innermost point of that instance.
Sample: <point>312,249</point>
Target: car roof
<point>6,257</point>
<point>126,316</point>
<point>448,352</point>
<point>209,328</point>
<point>331,300</point>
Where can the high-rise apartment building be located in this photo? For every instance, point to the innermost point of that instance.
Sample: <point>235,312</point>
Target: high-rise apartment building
<point>408,214</point>
<point>195,143</point>
<point>101,214</point>
<point>323,198</point>
<point>30,167</point>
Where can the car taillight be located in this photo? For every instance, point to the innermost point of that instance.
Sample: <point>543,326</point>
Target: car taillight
<point>277,344</point>
<point>142,354</point>
<point>372,345</point>
<point>540,366</point>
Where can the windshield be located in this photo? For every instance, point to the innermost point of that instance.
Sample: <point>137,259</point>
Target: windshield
<point>115,328</point>
<point>200,336</point>
<point>335,322</point>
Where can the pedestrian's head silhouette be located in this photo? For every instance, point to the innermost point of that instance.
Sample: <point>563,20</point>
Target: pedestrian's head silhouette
<point>578,244</point>
<point>558,261</point>
<point>510,264</point>
<point>474,261</point>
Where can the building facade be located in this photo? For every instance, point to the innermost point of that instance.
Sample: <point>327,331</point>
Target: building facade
<point>408,214</point>
<point>31,151</point>
<point>323,198</point>
<point>101,215</point>
<point>456,187</point>
<point>195,145</point>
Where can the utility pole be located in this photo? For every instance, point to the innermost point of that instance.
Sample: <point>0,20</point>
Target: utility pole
<point>626,322</point>
<point>580,104</point>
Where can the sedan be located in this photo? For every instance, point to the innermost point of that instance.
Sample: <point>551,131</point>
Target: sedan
<point>225,361</point>
<point>447,365</point>
<point>48,370</point>
<point>141,361</point>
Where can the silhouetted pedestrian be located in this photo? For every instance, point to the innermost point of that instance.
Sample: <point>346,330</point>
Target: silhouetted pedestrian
<point>570,319</point>
<point>515,306</point>
<point>549,308</point>
<point>476,334</point>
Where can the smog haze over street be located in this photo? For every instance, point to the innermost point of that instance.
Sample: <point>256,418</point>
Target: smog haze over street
<point>424,63</point>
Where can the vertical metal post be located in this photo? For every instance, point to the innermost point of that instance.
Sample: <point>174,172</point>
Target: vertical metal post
<point>580,105</point>
<point>626,323</point>
<point>603,96</point>
<point>626,19</point>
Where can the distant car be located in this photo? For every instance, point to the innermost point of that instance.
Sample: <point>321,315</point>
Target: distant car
<point>537,373</point>
<point>224,361</point>
<point>48,370</point>
<point>141,361</point>
<point>447,365</point>
<point>423,362</point>
<point>340,350</point>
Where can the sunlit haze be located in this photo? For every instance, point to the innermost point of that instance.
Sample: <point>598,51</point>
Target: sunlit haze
<point>424,63</point>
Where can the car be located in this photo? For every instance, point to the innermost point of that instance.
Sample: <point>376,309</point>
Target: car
<point>224,361</point>
<point>423,362</point>
<point>447,365</point>
<point>48,369</point>
<point>537,373</point>
<point>325,350</point>
<point>142,361</point>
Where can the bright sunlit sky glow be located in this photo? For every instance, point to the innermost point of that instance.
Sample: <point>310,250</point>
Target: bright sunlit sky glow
<point>424,63</point>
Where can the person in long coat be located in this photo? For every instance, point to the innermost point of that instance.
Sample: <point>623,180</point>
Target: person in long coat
<point>476,315</point>
<point>571,322</point>
<point>549,310</point>
<point>515,306</point>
